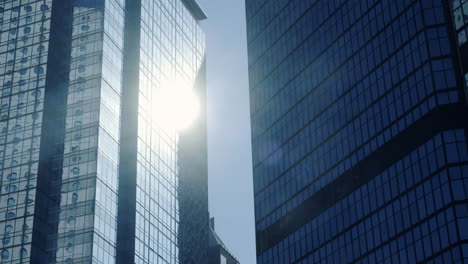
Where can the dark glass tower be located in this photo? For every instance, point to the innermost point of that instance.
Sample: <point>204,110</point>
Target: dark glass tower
<point>86,173</point>
<point>359,130</point>
<point>193,184</point>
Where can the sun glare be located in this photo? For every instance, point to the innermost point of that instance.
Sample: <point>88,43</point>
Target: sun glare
<point>174,106</point>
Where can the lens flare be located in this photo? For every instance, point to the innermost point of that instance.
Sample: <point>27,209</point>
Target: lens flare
<point>174,106</point>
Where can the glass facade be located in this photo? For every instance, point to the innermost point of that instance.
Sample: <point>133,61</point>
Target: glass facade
<point>459,10</point>
<point>172,48</point>
<point>192,159</point>
<point>24,39</point>
<point>63,78</point>
<point>87,214</point>
<point>358,116</point>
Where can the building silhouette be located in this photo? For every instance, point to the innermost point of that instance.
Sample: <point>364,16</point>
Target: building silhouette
<point>87,175</point>
<point>359,131</point>
<point>218,252</point>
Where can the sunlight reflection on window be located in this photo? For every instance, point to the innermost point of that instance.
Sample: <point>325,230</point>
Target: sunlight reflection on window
<point>174,105</point>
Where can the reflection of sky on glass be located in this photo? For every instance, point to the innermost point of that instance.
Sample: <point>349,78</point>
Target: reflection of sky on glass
<point>174,105</point>
<point>230,182</point>
<point>171,51</point>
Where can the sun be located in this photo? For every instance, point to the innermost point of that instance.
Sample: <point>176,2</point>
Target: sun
<point>174,105</point>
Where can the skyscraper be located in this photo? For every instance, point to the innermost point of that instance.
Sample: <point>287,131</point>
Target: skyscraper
<point>359,131</point>
<point>87,173</point>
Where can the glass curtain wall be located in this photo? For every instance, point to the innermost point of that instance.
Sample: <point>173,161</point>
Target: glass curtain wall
<point>24,39</point>
<point>88,206</point>
<point>171,51</point>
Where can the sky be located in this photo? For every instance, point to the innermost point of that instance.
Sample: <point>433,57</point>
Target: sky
<point>229,145</point>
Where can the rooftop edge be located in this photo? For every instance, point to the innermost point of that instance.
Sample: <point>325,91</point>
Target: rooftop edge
<point>195,9</point>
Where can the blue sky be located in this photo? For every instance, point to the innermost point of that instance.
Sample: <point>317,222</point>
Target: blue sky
<point>229,148</point>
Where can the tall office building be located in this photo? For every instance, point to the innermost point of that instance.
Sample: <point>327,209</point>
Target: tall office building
<point>359,130</point>
<point>87,174</point>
